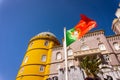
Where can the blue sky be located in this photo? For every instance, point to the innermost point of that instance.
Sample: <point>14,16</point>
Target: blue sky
<point>20,20</point>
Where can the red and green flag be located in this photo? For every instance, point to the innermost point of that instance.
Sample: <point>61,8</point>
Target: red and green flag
<point>83,26</point>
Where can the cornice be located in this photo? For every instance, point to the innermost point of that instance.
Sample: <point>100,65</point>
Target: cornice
<point>45,38</point>
<point>113,37</point>
<point>97,32</point>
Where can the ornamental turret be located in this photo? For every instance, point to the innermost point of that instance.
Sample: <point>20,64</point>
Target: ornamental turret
<point>35,65</point>
<point>116,22</point>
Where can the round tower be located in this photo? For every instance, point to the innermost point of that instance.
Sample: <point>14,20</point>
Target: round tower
<point>35,65</point>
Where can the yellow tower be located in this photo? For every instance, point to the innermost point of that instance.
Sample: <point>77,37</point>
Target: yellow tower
<point>36,62</point>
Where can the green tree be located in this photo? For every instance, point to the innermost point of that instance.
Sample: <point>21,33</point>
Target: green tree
<point>91,65</point>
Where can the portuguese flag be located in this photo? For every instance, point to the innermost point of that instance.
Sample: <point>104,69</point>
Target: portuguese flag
<point>83,26</point>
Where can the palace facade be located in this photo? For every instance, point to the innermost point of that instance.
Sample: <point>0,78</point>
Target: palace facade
<point>44,58</point>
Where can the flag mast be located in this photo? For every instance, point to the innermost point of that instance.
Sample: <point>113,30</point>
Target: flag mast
<point>85,25</point>
<point>65,54</point>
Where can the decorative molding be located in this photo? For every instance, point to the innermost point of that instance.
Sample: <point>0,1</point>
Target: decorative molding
<point>115,21</point>
<point>57,48</point>
<point>113,37</point>
<point>37,49</point>
<point>95,33</point>
<point>62,60</point>
<point>36,75</point>
<point>44,37</point>
<point>87,52</point>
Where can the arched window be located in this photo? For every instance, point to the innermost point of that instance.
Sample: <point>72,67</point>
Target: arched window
<point>54,78</point>
<point>46,43</point>
<point>43,58</point>
<point>116,45</point>
<point>106,58</point>
<point>42,68</point>
<point>26,59</point>
<point>21,70</point>
<point>58,56</point>
<point>102,46</point>
<point>84,47</point>
<point>31,44</point>
<point>70,52</point>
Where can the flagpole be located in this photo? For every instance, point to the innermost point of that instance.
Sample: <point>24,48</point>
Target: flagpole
<point>65,53</point>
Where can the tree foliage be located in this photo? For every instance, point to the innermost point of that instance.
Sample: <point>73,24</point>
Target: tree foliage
<point>91,65</point>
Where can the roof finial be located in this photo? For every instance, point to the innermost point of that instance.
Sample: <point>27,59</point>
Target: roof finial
<point>118,12</point>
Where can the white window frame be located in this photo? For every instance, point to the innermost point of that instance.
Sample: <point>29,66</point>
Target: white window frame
<point>70,52</point>
<point>101,46</point>
<point>58,56</point>
<point>26,59</point>
<point>116,45</point>
<point>31,44</point>
<point>21,70</point>
<point>43,58</point>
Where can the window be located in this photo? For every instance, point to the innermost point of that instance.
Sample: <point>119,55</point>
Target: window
<point>58,66</point>
<point>84,47</point>
<point>21,70</point>
<point>106,58</point>
<point>70,52</point>
<point>119,68</point>
<point>70,63</point>
<point>46,43</point>
<point>58,56</point>
<point>41,68</point>
<point>54,78</point>
<point>43,58</point>
<point>26,59</point>
<point>102,46</point>
<point>31,44</point>
<point>116,45</point>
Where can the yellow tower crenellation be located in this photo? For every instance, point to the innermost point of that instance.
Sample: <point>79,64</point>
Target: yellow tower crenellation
<point>36,62</point>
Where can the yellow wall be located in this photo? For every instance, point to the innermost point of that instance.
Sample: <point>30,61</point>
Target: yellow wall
<point>30,78</point>
<point>31,69</point>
